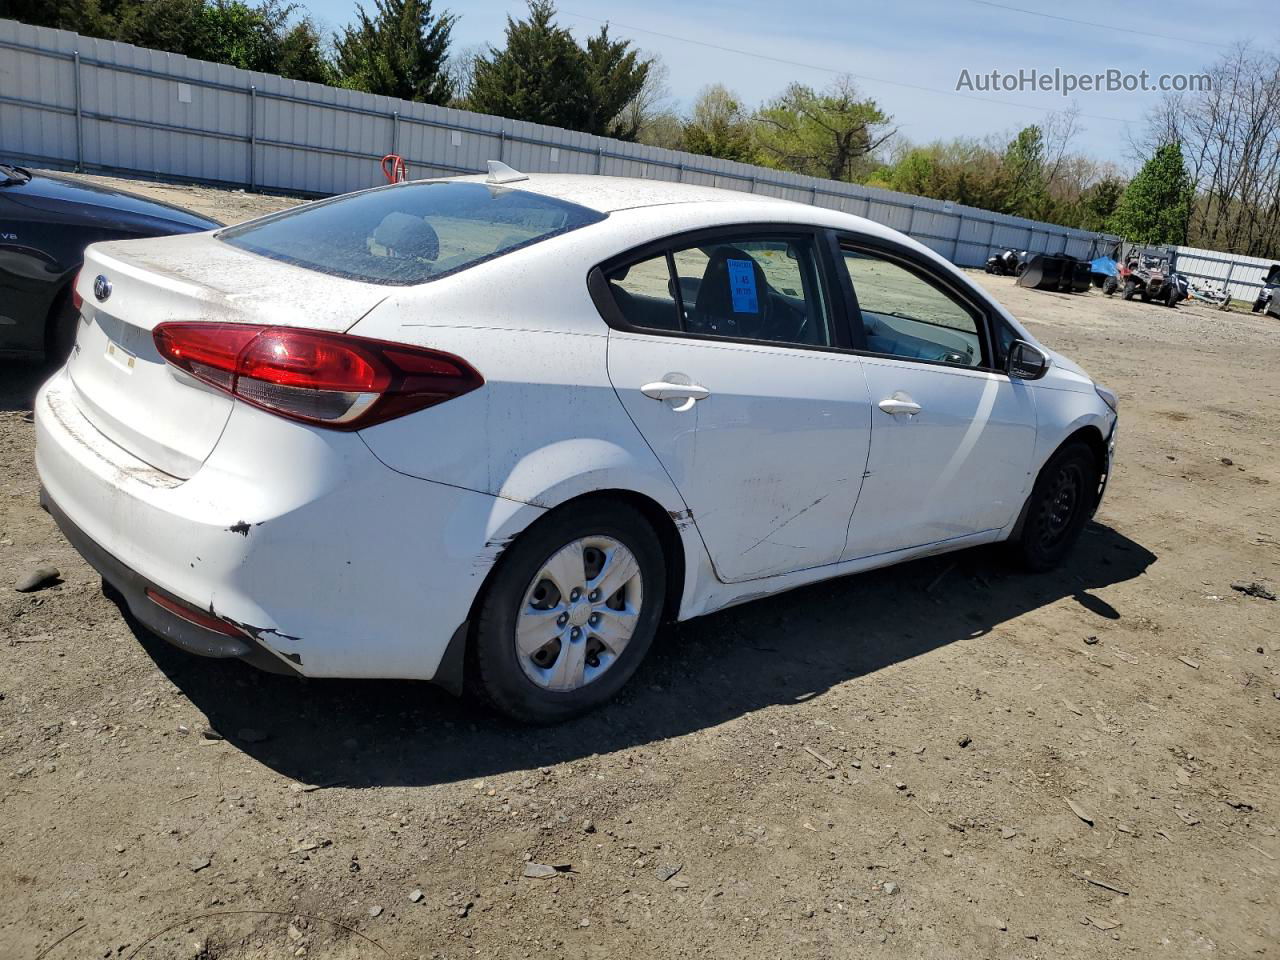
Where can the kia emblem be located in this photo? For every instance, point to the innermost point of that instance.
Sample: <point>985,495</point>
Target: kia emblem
<point>101,287</point>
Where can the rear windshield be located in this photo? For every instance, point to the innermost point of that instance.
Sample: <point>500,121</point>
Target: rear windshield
<point>409,234</point>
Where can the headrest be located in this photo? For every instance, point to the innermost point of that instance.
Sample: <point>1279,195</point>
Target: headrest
<point>408,236</point>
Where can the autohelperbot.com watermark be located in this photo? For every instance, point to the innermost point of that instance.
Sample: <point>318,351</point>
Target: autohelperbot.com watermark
<point>1067,83</point>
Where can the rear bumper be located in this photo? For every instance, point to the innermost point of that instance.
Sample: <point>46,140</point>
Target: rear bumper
<point>132,588</point>
<point>330,563</point>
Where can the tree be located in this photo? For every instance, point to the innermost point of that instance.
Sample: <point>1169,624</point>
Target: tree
<point>82,16</point>
<point>1156,205</point>
<point>1229,130</point>
<point>1024,172</point>
<point>228,31</point>
<point>301,55</point>
<point>616,75</point>
<point>401,51</point>
<point>256,37</point>
<point>542,75</point>
<point>1098,204</point>
<point>830,134</point>
<point>539,76</point>
<point>718,126</point>
<point>649,112</point>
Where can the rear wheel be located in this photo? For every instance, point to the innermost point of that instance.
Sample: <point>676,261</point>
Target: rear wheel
<point>572,610</point>
<point>1061,501</point>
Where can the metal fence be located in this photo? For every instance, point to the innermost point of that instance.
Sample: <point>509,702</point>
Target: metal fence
<point>98,105</point>
<point>1238,275</point>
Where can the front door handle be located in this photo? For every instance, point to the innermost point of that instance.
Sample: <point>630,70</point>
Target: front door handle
<point>682,395</point>
<point>900,403</point>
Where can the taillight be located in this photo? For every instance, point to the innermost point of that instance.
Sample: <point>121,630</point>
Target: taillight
<point>329,379</point>
<point>77,301</point>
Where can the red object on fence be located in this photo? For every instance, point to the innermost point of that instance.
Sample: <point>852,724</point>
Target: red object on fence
<point>394,168</point>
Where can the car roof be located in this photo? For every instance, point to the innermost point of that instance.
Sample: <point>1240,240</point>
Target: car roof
<point>607,194</point>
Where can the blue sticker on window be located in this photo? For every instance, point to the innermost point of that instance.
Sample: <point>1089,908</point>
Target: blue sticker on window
<point>742,286</point>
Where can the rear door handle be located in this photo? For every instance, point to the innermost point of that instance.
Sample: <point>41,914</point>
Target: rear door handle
<point>682,395</point>
<point>900,403</point>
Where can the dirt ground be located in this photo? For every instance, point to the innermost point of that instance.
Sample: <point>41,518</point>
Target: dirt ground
<point>943,760</point>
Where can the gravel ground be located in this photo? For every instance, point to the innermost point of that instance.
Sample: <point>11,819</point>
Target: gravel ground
<point>947,759</point>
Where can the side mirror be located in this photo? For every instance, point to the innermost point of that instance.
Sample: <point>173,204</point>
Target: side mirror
<point>1025,361</point>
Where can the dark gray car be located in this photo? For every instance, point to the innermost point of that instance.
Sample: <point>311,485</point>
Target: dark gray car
<point>45,224</point>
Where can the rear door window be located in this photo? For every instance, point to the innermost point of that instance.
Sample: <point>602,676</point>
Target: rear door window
<point>753,289</point>
<point>409,233</point>
<point>737,287</point>
<point>644,293</point>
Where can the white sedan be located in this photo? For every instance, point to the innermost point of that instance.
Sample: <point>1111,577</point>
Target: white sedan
<point>502,428</point>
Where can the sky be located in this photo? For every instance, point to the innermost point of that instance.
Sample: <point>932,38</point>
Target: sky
<point>906,54</point>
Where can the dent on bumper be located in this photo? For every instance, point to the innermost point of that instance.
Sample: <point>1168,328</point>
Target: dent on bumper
<point>330,560</point>
<point>132,590</point>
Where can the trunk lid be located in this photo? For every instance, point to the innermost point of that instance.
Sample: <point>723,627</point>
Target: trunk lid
<point>156,412</point>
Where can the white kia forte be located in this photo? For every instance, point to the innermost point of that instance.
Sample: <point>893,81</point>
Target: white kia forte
<point>499,429</point>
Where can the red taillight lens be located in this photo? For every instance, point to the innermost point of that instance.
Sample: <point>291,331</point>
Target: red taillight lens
<point>77,301</point>
<point>329,379</point>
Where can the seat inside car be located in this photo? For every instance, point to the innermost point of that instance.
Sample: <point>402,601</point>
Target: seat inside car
<point>733,298</point>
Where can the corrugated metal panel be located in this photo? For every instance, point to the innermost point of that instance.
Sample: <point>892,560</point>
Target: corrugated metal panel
<point>1240,275</point>
<point>149,112</point>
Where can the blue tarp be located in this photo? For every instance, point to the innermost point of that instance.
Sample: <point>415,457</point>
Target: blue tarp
<point>1103,265</point>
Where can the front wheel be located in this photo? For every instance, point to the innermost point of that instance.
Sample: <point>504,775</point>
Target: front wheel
<point>572,610</point>
<point>1061,501</point>
<point>1109,285</point>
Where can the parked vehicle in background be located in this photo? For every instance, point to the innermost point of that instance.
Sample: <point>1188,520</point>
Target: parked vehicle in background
<point>45,224</point>
<point>1177,289</point>
<point>1102,269</point>
<point>1267,294</point>
<point>1011,263</point>
<point>497,430</point>
<point>1147,275</point>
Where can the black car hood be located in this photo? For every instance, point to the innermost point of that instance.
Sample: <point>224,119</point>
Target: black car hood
<point>90,202</point>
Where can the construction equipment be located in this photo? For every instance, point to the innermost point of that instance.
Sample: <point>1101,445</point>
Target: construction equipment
<point>1055,272</point>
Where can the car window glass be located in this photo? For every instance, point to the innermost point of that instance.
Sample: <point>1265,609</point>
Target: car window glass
<point>904,316</point>
<point>753,289</point>
<point>644,295</point>
<point>409,233</point>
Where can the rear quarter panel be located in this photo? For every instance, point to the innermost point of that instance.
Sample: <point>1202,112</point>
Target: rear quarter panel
<point>547,426</point>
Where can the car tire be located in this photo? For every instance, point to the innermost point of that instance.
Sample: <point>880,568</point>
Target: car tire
<point>515,682</point>
<point>1109,285</point>
<point>1060,504</point>
<point>60,330</point>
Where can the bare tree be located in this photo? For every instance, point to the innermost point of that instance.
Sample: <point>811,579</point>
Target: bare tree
<point>1230,135</point>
